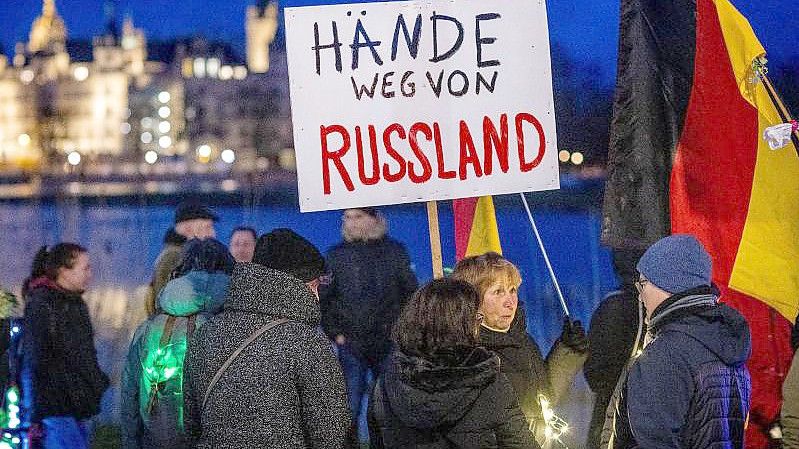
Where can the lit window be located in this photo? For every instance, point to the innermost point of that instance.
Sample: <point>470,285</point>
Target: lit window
<point>204,151</point>
<point>150,157</point>
<point>186,68</point>
<point>240,72</point>
<point>199,68</point>
<point>165,142</point>
<point>26,76</point>
<point>212,67</point>
<point>228,156</point>
<point>81,73</point>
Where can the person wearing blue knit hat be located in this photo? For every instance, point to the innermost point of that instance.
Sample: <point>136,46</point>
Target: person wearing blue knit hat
<point>689,387</point>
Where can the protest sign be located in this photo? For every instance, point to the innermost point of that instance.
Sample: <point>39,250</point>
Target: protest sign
<point>412,101</point>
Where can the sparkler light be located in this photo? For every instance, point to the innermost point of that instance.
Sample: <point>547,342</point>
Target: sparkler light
<point>555,427</point>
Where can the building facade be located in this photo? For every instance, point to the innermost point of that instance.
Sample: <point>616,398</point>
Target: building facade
<point>120,99</point>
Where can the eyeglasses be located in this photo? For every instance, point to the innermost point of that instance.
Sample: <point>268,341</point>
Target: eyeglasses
<point>639,285</point>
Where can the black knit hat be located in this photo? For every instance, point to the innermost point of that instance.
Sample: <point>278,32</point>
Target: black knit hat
<point>285,250</point>
<point>191,210</point>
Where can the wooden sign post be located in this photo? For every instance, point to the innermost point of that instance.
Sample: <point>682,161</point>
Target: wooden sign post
<point>435,239</point>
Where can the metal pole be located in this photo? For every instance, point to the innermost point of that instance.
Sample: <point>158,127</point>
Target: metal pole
<point>546,256</point>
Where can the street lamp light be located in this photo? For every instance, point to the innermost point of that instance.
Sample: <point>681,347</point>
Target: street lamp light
<point>73,158</point>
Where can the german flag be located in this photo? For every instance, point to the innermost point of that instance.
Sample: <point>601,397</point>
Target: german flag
<point>687,149</point>
<point>476,230</point>
<point>687,155</point>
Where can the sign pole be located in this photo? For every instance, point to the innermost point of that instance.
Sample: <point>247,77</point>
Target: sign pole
<point>435,239</point>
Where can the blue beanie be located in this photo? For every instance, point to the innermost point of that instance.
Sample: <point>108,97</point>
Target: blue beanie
<point>676,263</point>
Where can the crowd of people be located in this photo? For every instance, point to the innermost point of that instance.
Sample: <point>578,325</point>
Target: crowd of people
<point>268,343</point>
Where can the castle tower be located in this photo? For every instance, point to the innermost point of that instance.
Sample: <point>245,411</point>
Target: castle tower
<point>134,45</point>
<point>261,28</point>
<point>48,33</point>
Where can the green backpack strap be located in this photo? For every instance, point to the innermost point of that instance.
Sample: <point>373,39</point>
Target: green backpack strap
<point>169,328</point>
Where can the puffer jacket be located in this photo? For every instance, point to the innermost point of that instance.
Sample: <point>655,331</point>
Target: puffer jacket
<point>284,390</point>
<point>790,407</point>
<point>60,374</point>
<point>457,399</point>
<point>690,387</point>
<point>528,371</point>
<point>195,297</point>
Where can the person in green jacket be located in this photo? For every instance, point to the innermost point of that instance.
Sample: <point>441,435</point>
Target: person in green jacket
<point>152,396</point>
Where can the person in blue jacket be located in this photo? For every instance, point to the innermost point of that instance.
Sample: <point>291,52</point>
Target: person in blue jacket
<point>690,387</point>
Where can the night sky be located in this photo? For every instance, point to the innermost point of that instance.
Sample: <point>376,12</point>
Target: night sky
<point>588,29</point>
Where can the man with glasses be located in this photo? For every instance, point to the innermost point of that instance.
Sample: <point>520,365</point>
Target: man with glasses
<point>690,387</point>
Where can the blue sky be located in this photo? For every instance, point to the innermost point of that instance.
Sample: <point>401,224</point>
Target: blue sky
<point>588,29</point>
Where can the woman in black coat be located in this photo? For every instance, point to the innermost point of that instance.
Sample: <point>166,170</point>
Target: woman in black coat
<point>62,381</point>
<point>439,388</point>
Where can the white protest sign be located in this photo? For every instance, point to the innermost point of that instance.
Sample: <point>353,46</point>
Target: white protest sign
<point>400,102</point>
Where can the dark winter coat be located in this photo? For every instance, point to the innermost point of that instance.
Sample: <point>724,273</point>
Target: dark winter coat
<point>526,368</point>
<point>372,280</point>
<point>614,328</point>
<point>60,367</point>
<point>457,400</point>
<point>284,390</point>
<point>790,406</point>
<point>197,294</point>
<point>690,387</point>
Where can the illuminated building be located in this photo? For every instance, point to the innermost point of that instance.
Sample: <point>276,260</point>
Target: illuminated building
<point>119,97</point>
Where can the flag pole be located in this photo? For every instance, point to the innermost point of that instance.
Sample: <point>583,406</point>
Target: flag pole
<point>435,239</point>
<point>546,256</point>
<point>785,115</point>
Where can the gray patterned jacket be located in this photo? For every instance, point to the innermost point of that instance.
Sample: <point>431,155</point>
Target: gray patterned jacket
<point>284,390</point>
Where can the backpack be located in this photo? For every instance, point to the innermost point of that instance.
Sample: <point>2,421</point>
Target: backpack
<point>161,381</point>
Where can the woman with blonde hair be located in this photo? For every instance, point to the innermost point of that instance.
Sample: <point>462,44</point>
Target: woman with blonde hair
<point>535,380</point>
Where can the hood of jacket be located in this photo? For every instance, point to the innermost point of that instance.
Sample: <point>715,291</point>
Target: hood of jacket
<point>194,292</point>
<point>720,328</point>
<point>257,289</point>
<point>425,394</point>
